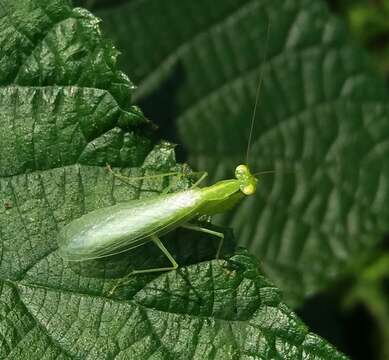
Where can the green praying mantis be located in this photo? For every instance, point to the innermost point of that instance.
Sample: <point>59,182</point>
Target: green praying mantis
<point>124,226</point>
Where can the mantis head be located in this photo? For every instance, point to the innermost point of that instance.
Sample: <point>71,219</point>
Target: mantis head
<point>247,181</point>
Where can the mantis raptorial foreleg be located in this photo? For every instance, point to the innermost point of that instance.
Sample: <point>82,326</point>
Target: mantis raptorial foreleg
<point>174,181</point>
<point>207,231</point>
<point>166,190</point>
<point>131,178</point>
<point>201,179</point>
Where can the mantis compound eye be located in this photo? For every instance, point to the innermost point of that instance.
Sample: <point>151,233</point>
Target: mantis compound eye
<point>248,183</point>
<point>249,189</point>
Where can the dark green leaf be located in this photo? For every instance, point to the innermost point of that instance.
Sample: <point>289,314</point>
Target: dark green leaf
<point>63,100</point>
<point>65,113</point>
<point>321,123</point>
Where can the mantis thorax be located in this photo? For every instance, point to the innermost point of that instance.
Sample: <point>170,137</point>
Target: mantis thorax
<point>247,181</point>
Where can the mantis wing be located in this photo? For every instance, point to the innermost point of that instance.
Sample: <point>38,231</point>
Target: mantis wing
<point>117,228</point>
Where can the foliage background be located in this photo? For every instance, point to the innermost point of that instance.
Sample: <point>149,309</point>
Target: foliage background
<point>354,309</point>
<point>317,225</point>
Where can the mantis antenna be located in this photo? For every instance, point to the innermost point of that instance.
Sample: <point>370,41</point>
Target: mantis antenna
<point>271,172</point>
<point>264,172</point>
<point>258,91</point>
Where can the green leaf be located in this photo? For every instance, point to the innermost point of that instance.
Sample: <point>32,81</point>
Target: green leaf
<point>65,113</point>
<point>56,111</point>
<point>321,124</point>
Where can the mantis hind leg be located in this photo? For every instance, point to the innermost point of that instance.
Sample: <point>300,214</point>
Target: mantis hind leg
<point>208,231</point>
<point>165,251</point>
